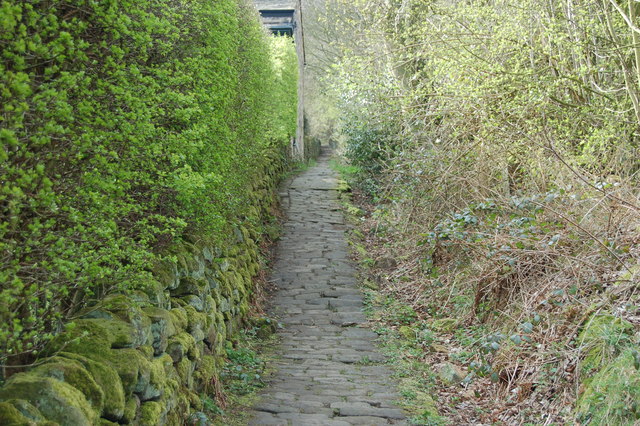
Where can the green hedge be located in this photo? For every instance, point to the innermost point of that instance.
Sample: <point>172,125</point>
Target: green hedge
<point>124,125</point>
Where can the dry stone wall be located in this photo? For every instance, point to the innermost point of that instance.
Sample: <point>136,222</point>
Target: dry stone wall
<point>146,358</point>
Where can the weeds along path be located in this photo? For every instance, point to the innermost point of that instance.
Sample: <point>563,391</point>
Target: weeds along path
<point>328,371</point>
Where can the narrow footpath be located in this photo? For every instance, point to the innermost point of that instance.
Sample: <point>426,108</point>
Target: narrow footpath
<point>328,370</point>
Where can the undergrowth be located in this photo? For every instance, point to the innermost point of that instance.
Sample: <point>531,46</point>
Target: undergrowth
<point>243,374</point>
<point>524,304</point>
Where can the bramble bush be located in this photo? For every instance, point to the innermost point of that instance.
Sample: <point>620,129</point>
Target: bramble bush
<point>124,125</point>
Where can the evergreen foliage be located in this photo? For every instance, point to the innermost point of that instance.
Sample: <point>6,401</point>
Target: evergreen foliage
<point>124,125</point>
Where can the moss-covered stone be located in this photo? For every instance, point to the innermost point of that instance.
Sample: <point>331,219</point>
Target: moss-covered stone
<point>131,409</point>
<point>444,325</point>
<point>188,259</point>
<point>157,294</point>
<point>75,374</point>
<point>407,332</point>
<point>601,339</point>
<point>189,285</point>
<point>95,333</point>
<point>179,318</point>
<point>108,380</point>
<point>27,410</point>
<point>185,369</point>
<point>10,416</point>
<point>151,413</point>
<point>181,345</point>
<point>130,311</point>
<point>147,351</point>
<point>611,396</point>
<point>166,272</point>
<point>56,400</point>
<point>161,328</point>
<point>198,323</point>
<point>195,301</point>
<point>206,371</point>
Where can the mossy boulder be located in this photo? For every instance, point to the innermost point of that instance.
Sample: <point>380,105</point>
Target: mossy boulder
<point>189,261</point>
<point>181,345</point>
<point>449,374</point>
<point>206,371</point>
<point>166,272</point>
<point>107,378</point>
<point>11,416</point>
<point>27,410</point>
<point>151,413</point>
<point>611,396</point>
<point>161,328</point>
<point>179,318</point>
<point>602,338</point>
<point>157,294</point>
<point>198,323</point>
<point>73,373</point>
<point>407,332</point>
<point>444,325</point>
<point>102,333</point>
<point>129,363</point>
<point>57,401</point>
<point>185,369</point>
<point>131,408</point>
<point>189,285</point>
<point>195,301</point>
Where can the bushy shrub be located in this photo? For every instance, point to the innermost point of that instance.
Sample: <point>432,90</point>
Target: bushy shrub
<point>124,125</point>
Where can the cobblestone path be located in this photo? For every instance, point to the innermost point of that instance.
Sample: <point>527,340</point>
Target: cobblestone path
<point>328,370</point>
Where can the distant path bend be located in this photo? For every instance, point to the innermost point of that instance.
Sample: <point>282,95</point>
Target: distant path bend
<point>328,371</point>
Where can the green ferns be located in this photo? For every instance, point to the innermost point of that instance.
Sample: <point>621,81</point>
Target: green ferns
<point>124,126</point>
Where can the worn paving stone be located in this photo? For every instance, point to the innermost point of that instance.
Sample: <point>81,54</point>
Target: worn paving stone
<point>329,371</point>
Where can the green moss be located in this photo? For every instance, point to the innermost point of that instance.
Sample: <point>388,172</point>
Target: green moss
<point>194,401</point>
<point>127,362</point>
<point>161,370</point>
<point>197,320</point>
<point>73,373</point>
<point>56,400</point>
<point>179,318</point>
<point>407,332</point>
<point>155,292</point>
<point>205,372</point>
<point>166,271</point>
<point>185,369</point>
<point>181,345</point>
<point>108,380</point>
<point>95,333</point>
<point>189,285</point>
<point>601,340</point>
<point>10,416</point>
<point>146,351</point>
<point>162,317</point>
<point>151,413</point>
<point>131,409</point>
<point>27,409</point>
<point>611,396</point>
<point>444,325</point>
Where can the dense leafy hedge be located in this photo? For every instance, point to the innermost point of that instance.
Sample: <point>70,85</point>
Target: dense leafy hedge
<point>124,125</point>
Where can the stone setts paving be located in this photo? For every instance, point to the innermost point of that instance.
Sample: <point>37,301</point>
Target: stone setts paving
<point>328,370</point>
